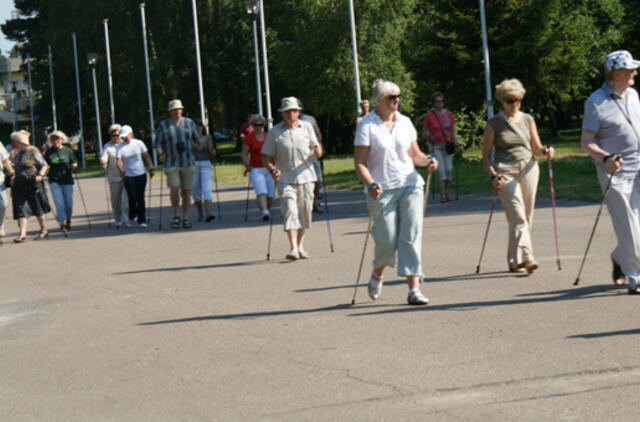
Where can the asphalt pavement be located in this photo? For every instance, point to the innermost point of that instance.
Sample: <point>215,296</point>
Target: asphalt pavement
<point>196,325</point>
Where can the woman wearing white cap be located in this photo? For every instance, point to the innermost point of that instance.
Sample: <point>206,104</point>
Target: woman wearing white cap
<point>62,161</point>
<point>386,153</point>
<point>108,161</point>
<point>292,143</point>
<point>28,192</point>
<point>130,155</point>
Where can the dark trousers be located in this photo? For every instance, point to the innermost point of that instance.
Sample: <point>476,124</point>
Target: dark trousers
<point>135,187</point>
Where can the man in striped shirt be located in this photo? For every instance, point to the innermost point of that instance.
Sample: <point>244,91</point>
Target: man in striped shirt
<point>176,139</point>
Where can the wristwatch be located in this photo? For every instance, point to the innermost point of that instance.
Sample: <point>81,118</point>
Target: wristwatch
<point>372,186</point>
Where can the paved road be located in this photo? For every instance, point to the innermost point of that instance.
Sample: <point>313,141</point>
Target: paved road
<point>195,325</point>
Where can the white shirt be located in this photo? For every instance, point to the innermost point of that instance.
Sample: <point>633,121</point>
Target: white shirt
<point>109,157</point>
<point>131,155</point>
<point>388,160</point>
<point>3,156</point>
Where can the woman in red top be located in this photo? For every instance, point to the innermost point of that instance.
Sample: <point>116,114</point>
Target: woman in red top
<point>439,126</point>
<point>260,178</point>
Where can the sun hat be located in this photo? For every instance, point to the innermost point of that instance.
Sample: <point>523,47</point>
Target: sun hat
<point>114,128</point>
<point>125,130</point>
<point>21,137</point>
<point>289,103</point>
<point>173,104</point>
<point>620,59</point>
<point>57,134</point>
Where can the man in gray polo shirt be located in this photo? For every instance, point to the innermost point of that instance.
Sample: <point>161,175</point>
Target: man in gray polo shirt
<point>176,139</point>
<point>611,125</point>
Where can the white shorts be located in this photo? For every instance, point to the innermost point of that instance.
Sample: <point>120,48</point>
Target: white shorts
<point>262,181</point>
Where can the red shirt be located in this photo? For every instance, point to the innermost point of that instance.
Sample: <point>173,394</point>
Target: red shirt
<point>255,146</point>
<point>436,124</point>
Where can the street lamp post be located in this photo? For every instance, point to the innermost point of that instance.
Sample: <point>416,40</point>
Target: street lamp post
<point>110,79</point>
<point>143,22</point>
<point>81,134</point>
<point>485,61</point>
<point>92,59</point>
<point>265,63</point>
<point>33,126</point>
<point>354,48</point>
<point>53,95</point>
<point>252,11</point>
<point>198,62</point>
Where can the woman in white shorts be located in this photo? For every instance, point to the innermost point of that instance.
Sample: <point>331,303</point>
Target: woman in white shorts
<point>262,182</point>
<point>204,154</point>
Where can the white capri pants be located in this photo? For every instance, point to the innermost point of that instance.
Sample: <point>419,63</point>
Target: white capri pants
<point>296,203</point>
<point>445,161</point>
<point>262,181</point>
<point>202,181</point>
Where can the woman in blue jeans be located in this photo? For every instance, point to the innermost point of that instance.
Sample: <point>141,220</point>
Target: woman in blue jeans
<point>62,161</point>
<point>386,153</point>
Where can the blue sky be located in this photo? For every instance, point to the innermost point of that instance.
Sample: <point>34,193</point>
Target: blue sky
<point>6,6</point>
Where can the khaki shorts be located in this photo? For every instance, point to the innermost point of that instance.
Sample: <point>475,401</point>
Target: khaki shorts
<point>180,176</point>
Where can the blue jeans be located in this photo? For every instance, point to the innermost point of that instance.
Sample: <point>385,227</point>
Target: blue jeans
<point>63,199</point>
<point>4,203</point>
<point>397,226</point>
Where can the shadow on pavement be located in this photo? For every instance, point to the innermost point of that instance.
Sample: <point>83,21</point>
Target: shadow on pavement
<point>205,267</point>
<point>607,334</point>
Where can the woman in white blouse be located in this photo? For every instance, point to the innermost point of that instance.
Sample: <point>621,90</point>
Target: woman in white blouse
<point>386,153</point>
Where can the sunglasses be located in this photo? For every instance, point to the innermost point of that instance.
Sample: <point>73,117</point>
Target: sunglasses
<point>513,101</point>
<point>394,97</point>
<point>115,135</point>
<point>258,125</point>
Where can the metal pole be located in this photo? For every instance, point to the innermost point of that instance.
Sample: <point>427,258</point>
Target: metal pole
<point>198,63</point>
<point>97,107</point>
<point>354,47</point>
<point>109,76</point>
<point>265,67</point>
<point>149,100</point>
<point>33,125</point>
<point>53,95</point>
<point>75,61</point>
<point>257,60</point>
<point>485,60</point>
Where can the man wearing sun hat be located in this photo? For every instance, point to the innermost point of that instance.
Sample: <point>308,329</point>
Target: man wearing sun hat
<point>293,143</point>
<point>611,126</point>
<point>176,139</point>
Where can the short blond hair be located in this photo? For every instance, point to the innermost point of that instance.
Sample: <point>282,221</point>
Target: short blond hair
<point>57,134</point>
<point>257,118</point>
<point>510,88</point>
<point>381,89</point>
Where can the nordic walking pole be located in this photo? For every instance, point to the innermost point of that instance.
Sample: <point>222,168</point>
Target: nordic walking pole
<point>106,197</point>
<point>55,215</point>
<point>160,210</point>
<point>595,224</point>
<point>486,232</point>
<point>270,231</point>
<point>426,194</point>
<point>215,180</point>
<point>455,166</point>
<point>246,208</point>
<point>364,249</point>
<point>553,210</point>
<point>151,172</point>
<point>84,204</point>
<point>326,207</point>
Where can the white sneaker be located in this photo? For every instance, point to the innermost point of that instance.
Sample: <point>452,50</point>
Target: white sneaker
<point>128,224</point>
<point>2,232</point>
<point>417,298</point>
<point>375,286</point>
<point>304,254</point>
<point>292,255</point>
<point>143,225</point>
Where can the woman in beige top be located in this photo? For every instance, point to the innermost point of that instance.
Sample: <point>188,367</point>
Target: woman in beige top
<point>514,171</point>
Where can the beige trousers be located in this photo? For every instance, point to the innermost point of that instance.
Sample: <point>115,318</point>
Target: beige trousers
<point>296,202</point>
<point>518,198</point>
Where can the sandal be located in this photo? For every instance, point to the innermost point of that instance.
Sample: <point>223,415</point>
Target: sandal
<point>41,236</point>
<point>175,223</point>
<point>20,239</point>
<point>186,224</point>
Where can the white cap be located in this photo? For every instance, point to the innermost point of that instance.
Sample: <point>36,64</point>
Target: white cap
<point>125,130</point>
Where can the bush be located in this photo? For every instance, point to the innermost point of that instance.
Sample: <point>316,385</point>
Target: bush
<point>469,127</point>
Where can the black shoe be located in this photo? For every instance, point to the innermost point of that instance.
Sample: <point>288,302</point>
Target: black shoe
<point>209,218</point>
<point>317,208</point>
<point>619,279</point>
<point>634,290</point>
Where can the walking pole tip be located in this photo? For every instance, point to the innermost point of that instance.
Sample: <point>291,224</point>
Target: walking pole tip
<point>575,283</point>
<point>478,269</point>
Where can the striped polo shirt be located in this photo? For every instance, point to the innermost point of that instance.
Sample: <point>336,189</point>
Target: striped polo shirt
<point>178,141</point>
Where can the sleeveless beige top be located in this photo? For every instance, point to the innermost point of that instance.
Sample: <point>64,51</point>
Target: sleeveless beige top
<point>509,145</point>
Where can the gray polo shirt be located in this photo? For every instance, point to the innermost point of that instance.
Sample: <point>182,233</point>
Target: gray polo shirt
<point>609,118</point>
<point>178,141</point>
<point>292,149</point>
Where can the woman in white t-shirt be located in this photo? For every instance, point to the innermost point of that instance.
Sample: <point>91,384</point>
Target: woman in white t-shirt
<point>129,159</point>
<point>386,153</point>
